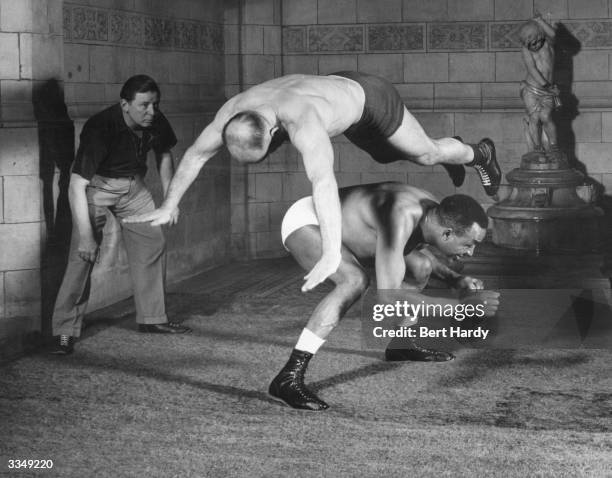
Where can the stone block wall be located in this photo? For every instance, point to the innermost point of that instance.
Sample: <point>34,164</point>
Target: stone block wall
<point>252,32</point>
<point>457,65</point>
<point>30,52</point>
<point>60,62</point>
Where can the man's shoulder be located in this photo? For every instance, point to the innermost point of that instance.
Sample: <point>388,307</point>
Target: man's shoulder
<point>104,119</point>
<point>392,206</point>
<point>408,206</point>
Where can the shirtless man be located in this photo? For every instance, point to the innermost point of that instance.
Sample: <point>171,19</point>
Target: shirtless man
<point>538,92</point>
<point>308,110</point>
<point>399,226</point>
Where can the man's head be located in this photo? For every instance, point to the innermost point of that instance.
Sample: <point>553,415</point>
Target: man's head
<point>140,98</point>
<point>532,35</point>
<point>457,224</point>
<point>250,137</point>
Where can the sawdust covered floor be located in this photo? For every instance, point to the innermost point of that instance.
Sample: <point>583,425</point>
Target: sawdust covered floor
<point>129,404</point>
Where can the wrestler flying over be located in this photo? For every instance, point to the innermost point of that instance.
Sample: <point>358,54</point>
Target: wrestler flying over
<point>308,110</point>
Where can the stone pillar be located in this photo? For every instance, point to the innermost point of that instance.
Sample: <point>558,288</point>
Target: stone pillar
<point>543,212</point>
<point>30,58</point>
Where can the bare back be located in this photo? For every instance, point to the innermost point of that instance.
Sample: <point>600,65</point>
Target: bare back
<point>366,210</point>
<point>337,101</point>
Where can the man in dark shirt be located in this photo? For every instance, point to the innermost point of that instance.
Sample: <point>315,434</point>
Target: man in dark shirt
<point>107,175</point>
<point>410,236</point>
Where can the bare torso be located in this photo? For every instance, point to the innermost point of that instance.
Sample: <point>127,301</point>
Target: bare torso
<point>363,212</point>
<point>337,101</point>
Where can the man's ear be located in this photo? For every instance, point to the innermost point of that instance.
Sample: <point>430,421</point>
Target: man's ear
<point>124,104</point>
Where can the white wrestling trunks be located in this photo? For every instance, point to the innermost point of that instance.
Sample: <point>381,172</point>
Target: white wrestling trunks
<point>301,213</point>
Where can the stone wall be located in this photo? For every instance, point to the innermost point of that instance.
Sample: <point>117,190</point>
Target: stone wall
<point>252,55</point>
<point>457,65</point>
<point>60,62</point>
<point>30,52</point>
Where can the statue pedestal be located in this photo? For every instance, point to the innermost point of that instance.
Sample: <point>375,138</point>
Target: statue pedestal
<point>543,212</point>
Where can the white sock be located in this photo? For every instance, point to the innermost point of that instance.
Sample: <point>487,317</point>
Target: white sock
<point>309,342</point>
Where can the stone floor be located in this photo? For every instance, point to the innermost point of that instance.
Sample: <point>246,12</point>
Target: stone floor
<point>534,402</point>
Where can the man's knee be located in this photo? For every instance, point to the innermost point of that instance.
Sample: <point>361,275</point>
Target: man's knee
<point>422,268</point>
<point>356,280</point>
<point>145,242</point>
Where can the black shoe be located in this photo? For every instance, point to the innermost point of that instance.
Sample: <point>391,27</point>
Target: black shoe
<point>456,171</point>
<point>488,169</point>
<point>413,352</point>
<point>167,328</point>
<point>289,386</point>
<point>63,346</point>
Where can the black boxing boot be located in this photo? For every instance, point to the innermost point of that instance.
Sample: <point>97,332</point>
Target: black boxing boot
<point>402,349</point>
<point>455,171</point>
<point>289,386</point>
<point>486,165</point>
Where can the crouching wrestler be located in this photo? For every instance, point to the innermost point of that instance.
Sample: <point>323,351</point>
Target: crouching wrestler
<point>398,226</point>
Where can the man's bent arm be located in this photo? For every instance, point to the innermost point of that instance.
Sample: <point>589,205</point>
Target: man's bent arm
<point>393,231</point>
<point>87,245</point>
<point>392,235</point>
<point>439,268</point>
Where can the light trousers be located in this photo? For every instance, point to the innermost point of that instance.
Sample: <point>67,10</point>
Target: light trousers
<point>144,244</point>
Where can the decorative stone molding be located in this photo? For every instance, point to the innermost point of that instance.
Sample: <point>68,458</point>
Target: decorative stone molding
<point>457,36</point>
<point>405,37</point>
<point>84,24</point>
<point>592,34</point>
<point>335,38</point>
<point>441,36</point>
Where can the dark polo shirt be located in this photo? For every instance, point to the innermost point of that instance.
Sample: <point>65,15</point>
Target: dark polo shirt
<point>110,148</point>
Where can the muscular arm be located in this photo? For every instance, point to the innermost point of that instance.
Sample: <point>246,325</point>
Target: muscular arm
<point>196,156</point>
<point>87,246</point>
<point>393,232</point>
<point>312,141</point>
<point>439,268</point>
<point>444,272</point>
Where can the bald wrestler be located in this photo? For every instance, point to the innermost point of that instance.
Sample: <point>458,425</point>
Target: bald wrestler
<point>308,110</point>
<point>397,225</point>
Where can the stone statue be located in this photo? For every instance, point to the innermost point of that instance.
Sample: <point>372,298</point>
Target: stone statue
<point>538,92</point>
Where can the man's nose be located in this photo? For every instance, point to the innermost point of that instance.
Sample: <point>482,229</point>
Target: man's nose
<point>151,109</point>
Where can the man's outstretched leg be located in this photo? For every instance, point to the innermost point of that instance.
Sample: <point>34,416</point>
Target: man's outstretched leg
<point>351,281</point>
<point>411,139</point>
